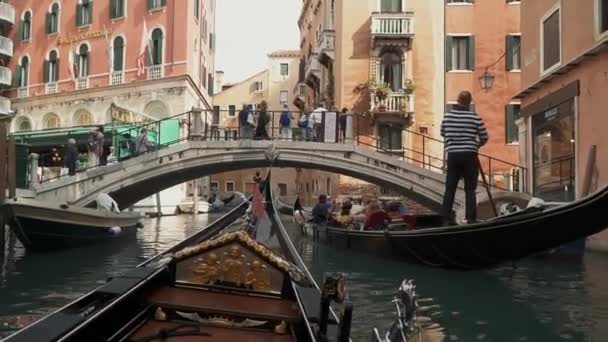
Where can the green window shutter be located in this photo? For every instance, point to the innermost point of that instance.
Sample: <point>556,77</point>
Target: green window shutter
<point>509,43</point>
<point>45,72</point>
<point>90,9</point>
<point>78,15</point>
<point>113,13</point>
<point>448,53</point>
<point>159,52</point>
<point>47,23</point>
<point>17,77</point>
<point>21,30</point>
<point>472,53</point>
<point>57,75</point>
<point>509,123</point>
<point>163,2</point>
<point>150,4</point>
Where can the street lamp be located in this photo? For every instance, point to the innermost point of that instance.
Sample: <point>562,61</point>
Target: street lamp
<point>487,80</point>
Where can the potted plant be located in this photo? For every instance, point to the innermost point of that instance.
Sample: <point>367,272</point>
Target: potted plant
<point>409,86</point>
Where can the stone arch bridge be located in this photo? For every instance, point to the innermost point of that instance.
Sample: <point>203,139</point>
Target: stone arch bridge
<point>137,178</point>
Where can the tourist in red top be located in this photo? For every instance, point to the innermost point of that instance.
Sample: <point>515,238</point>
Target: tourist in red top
<point>376,217</point>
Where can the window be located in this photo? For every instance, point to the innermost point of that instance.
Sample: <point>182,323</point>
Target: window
<point>391,70</point>
<point>83,61</point>
<point>22,73</point>
<point>51,68</point>
<point>390,6</point>
<point>212,42</point>
<point>282,189</point>
<point>51,120</point>
<point>84,12</point>
<point>460,53</point>
<point>216,115</point>
<point>284,69</point>
<point>551,49</point>
<point>155,4</point>
<point>210,84</point>
<point>390,136</point>
<point>52,19</point>
<point>23,124</point>
<point>25,28</point>
<point>284,97</point>
<point>83,118</point>
<point>117,8</point>
<point>513,56</point>
<point>197,8</point>
<point>511,130</point>
<point>257,86</point>
<point>118,54</point>
<point>232,110</point>
<point>229,186</point>
<point>204,77</point>
<point>157,47</point>
<point>603,10</point>
<point>214,186</point>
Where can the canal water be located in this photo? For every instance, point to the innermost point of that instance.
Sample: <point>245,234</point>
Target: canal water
<point>554,298</point>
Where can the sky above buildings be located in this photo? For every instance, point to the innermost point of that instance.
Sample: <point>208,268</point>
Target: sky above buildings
<point>248,30</point>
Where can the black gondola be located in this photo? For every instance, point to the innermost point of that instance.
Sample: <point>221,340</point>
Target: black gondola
<point>221,284</point>
<point>481,245</point>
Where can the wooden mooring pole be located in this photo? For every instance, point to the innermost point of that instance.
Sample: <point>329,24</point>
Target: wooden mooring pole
<point>3,174</point>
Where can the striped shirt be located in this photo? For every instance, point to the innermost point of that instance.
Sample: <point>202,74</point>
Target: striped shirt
<point>463,131</point>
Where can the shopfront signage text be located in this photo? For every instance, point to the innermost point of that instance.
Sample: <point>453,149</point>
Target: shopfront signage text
<point>550,114</point>
<point>73,38</point>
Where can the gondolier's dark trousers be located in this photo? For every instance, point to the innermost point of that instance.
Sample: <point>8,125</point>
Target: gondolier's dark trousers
<point>461,165</point>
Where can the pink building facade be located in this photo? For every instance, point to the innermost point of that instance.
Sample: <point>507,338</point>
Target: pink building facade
<point>72,59</point>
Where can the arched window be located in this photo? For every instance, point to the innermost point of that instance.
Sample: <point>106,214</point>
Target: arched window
<point>84,12</point>
<point>391,70</point>
<point>157,47</point>
<point>119,51</point>
<point>22,74</point>
<point>52,19</point>
<point>83,61</point>
<point>25,29</point>
<point>83,118</point>
<point>51,68</point>
<point>23,124</point>
<point>51,120</point>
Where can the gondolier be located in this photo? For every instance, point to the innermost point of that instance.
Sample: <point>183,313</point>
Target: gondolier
<point>464,133</point>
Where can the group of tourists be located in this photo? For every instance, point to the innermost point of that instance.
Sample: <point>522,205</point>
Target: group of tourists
<point>253,123</point>
<point>100,150</point>
<point>372,216</point>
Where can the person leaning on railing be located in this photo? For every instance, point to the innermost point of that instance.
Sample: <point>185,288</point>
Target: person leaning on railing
<point>464,133</point>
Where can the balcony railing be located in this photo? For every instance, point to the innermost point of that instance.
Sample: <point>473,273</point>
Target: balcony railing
<point>82,82</point>
<point>7,13</point>
<point>117,77</point>
<point>313,66</point>
<point>6,76</point>
<point>392,25</point>
<point>6,46</point>
<point>51,88</point>
<point>395,102</point>
<point>5,105</point>
<point>23,92</point>
<point>155,72</point>
<point>327,42</point>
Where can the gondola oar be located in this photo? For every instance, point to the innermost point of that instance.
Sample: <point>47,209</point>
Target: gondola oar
<point>487,186</point>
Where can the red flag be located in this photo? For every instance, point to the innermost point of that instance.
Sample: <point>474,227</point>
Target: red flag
<point>257,204</point>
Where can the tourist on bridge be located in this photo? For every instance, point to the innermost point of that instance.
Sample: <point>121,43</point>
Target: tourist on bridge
<point>342,125</point>
<point>316,118</point>
<point>142,145</point>
<point>285,123</point>
<point>71,157</point>
<point>96,141</point>
<point>261,131</point>
<point>247,122</point>
<point>304,124</point>
<point>464,133</point>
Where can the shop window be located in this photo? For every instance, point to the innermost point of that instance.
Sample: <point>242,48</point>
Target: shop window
<point>513,49</point>
<point>460,53</point>
<point>551,41</point>
<point>511,130</point>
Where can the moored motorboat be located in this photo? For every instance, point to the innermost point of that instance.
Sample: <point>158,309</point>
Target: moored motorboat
<point>43,225</point>
<point>480,245</point>
<point>221,284</point>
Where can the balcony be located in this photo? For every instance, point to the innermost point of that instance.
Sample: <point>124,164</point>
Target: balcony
<point>7,13</point>
<point>6,47</point>
<point>392,27</point>
<point>396,102</point>
<point>82,83</point>
<point>326,46</point>
<point>23,92</point>
<point>313,67</point>
<point>5,105</point>
<point>155,72</point>
<point>117,77</point>
<point>6,76</point>
<point>50,88</point>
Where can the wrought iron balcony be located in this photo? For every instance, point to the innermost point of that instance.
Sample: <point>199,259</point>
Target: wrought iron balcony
<point>6,76</point>
<point>392,26</point>
<point>82,83</point>
<point>155,72</point>
<point>7,13</point>
<point>117,77</point>
<point>326,46</point>
<point>50,88</point>
<point>6,47</point>
<point>23,92</point>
